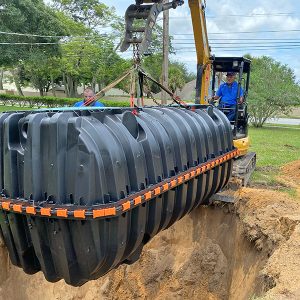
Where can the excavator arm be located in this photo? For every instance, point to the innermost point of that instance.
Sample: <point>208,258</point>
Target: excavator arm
<point>140,20</point>
<point>148,10</point>
<point>197,8</point>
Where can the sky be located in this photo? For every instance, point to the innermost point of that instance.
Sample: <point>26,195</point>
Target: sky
<point>227,22</point>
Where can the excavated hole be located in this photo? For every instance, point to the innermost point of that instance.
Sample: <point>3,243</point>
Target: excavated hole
<point>229,261</point>
<point>203,256</point>
<point>206,255</point>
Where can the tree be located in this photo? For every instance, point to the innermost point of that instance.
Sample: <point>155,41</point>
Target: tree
<point>87,62</point>
<point>27,16</point>
<point>1,78</point>
<point>86,59</point>
<point>178,74</point>
<point>110,67</point>
<point>91,13</point>
<point>176,78</point>
<point>36,70</point>
<point>273,90</point>
<point>54,71</point>
<point>42,71</point>
<point>78,53</point>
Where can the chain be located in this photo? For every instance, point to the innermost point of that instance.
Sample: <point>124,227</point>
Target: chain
<point>150,93</point>
<point>137,63</point>
<point>136,54</point>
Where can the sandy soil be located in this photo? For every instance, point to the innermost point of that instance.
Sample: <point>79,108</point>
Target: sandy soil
<point>242,251</point>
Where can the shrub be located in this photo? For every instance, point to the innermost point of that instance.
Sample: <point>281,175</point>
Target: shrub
<point>36,101</point>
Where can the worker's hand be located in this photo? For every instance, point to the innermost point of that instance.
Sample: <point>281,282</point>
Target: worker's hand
<point>211,100</point>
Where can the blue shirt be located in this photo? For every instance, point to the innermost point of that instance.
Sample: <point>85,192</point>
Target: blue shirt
<point>96,104</point>
<point>229,93</point>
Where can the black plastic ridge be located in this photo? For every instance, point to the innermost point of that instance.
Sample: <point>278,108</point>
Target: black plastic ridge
<point>83,190</point>
<point>119,204</point>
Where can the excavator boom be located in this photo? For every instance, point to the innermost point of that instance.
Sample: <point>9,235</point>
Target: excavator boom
<point>197,8</point>
<point>140,35</point>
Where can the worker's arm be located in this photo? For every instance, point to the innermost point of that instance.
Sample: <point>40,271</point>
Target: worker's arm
<point>218,94</point>
<point>241,100</point>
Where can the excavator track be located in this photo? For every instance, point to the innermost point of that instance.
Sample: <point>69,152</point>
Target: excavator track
<point>243,167</point>
<point>83,190</point>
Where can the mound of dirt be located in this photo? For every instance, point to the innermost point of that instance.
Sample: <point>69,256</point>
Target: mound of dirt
<point>242,251</point>
<point>290,176</point>
<point>292,170</point>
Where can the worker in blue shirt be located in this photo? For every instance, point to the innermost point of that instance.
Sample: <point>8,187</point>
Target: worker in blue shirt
<point>88,94</point>
<point>227,94</point>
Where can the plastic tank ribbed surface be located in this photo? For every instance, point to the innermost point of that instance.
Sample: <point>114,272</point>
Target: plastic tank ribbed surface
<point>86,158</point>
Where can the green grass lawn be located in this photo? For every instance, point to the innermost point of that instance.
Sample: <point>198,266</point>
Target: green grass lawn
<point>274,146</point>
<point>268,125</point>
<point>13,108</point>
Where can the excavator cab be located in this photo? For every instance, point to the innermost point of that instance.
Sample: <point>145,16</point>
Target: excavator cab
<point>241,66</point>
<point>244,166</point>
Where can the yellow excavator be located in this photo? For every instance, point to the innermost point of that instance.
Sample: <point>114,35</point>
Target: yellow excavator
<point>84,189</point>
<point>210,69</point>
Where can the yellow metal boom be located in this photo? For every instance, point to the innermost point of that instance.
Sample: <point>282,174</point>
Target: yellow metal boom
<point>149,10</point>
<point>197,8</point>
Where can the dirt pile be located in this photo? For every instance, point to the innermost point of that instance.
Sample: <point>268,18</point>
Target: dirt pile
<point>290,176</point>
<point>244,251</point>
<point>272,223</point>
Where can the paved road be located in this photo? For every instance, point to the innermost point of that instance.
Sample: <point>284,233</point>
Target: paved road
<point>284,121</point>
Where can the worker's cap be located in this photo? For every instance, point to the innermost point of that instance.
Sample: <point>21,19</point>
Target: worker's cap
<point>230,74</point>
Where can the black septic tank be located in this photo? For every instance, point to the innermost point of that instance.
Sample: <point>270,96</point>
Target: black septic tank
<point>84,190</point>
